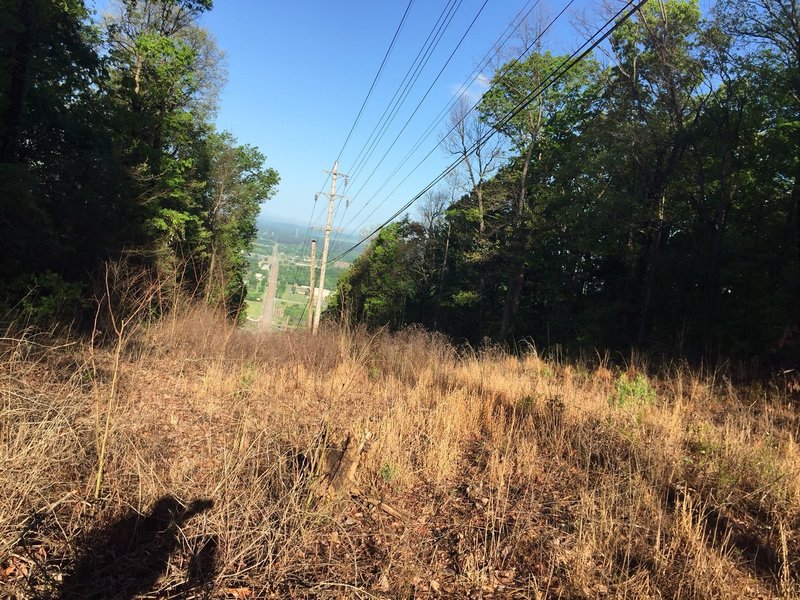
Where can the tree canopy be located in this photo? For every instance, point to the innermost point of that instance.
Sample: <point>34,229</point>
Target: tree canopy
<point>650,198</point>
<point>108,148</point>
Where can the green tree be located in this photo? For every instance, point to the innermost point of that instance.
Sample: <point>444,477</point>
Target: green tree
<point>532,133</point>
<point>238,184</point>
<point>154,83</point>
<point>380,283</point>
<point>106,147</point>
<point>768,40</point>
<point>58,176</point>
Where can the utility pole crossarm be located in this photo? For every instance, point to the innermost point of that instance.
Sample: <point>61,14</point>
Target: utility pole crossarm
<point>333,229</point>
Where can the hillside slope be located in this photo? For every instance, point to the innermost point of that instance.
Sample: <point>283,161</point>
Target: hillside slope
<point>483,475</point>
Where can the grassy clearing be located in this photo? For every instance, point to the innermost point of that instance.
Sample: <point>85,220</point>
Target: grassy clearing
<point>289,296</point>
<point>521,477</point>
<point>254,308</point>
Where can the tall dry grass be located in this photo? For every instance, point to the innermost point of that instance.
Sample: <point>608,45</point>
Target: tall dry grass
<point>522,477</point>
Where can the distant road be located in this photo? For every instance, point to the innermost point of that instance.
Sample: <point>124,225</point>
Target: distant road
<point>269,298</point>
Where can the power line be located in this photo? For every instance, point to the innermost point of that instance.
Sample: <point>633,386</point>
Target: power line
<point>550,80</point>
<point>406,84</point>
<point>431,127</point>
<point>303,312</point>
<point>386,55</point>
<point>402,92</point>
<point>487,57</point>
<point>372,86</point>
<point>428,91</point>
<point>375,80</point>
<point>478,142</point>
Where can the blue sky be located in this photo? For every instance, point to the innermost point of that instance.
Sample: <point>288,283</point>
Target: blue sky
<point>299,71</point>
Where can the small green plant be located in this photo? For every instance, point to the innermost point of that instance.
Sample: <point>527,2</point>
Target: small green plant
<point>374,373</point>
<point>633,392</point>
<point>546,371</point>
<point>704,442</point>
<point>247,377</point>
<point>87,375</point>
<point>388,472</point>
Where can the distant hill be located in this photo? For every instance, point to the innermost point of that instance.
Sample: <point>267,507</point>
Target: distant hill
<point>287,232</point>
<point>265,220</point>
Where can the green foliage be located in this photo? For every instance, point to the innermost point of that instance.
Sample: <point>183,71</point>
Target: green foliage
<point>295,312</point>
<point>107,146</point>
<point>634,391</point>
<point>651,203</point>
<point>375,289</point>
<point>388,472</point>
<point>42,299</point>
<point>237,186</point>
<point>465,298</point>
<point>515,80</point>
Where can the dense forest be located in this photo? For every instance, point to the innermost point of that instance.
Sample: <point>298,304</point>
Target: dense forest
<point>108,152</point>
<point>648,198</point>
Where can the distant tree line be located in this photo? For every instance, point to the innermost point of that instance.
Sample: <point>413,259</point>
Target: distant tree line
<point>650,198</point>
<point>108,149</point>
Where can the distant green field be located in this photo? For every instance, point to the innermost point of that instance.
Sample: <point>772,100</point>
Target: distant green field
<point>293,314</point>
<point>293,297</point>
<point>293,270</point>
<point>265,249</point>
<point>254,309</point>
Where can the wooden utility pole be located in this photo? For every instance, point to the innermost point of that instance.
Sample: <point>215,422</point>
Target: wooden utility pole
<point>331,198</point>
<point>311,286</point>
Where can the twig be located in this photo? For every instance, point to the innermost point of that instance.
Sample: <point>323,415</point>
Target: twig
<point>32,343</point>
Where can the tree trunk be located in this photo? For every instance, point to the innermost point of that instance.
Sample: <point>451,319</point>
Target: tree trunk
<point>516,277</point>
<point>137,74</point>
<point>712,276</point>
<point>441,280</point>
<point>794,322</point>
<point>482,277</point>
<point>649,277</point>
<point>210,276</point>
<point>481,220</point>
<point>796,200</point>
<point>516,281</point>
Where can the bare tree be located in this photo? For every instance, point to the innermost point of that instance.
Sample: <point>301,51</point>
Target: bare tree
<point>469,140</point>
<point>432,207</point>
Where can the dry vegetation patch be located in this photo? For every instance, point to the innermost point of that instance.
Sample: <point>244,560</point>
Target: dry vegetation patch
<point>508,476</point>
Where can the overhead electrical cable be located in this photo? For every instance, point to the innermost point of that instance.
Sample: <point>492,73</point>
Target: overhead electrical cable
<point>520,17</point>
<point>375,79</point>
<point>428,91</point>
<point>406,84</point>
<point>585,49</point>
<point>402,92</point>
<point>429,131</point>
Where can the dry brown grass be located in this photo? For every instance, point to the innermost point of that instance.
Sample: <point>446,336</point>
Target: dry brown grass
<point>524,477</point>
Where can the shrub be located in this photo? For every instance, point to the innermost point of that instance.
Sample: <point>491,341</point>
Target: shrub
<point>43,298</point>
<point>634,391</point>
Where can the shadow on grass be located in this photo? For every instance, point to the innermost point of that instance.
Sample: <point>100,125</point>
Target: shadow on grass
<point>761,554</point>
<point>127,558</point>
